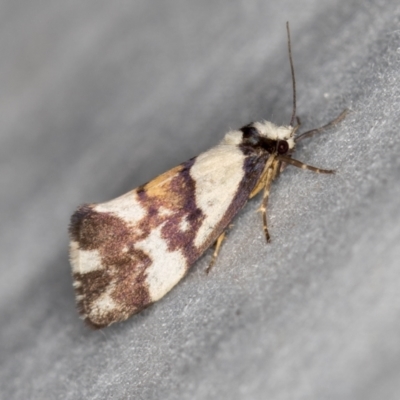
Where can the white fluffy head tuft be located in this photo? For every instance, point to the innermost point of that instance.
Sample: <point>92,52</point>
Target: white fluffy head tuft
<point>275,132</point>
<point>272,131</point>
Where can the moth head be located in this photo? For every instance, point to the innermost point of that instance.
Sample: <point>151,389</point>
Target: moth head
<point>268,136</point>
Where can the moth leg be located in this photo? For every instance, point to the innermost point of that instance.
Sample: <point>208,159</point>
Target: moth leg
<point>329,125</point>
<point>277,169</point>
<point>260,186</point>
<point>218,244</point>
<point>263,208</point>
<point>261,182</point>
<point>299,164</point>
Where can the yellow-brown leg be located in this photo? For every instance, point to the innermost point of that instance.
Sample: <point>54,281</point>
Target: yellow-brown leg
<point>263,208</point>
<point>277,167</point>
<point>299,164</point>
<point>261,182</point>
<point>217,248</point>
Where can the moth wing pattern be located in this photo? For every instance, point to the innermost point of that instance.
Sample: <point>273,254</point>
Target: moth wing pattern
<point>129,252</point>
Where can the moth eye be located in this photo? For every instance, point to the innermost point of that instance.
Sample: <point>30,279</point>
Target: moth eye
<point>250,135</point>
<point>283,147</point>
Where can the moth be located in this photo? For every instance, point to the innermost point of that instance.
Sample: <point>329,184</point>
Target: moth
<point>129,252</point>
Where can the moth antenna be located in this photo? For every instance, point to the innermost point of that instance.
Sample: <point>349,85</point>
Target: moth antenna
<point>293,78</point>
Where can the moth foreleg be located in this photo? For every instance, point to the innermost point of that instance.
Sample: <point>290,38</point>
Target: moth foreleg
<point>299,164</point>
<point>218,244</point>
<point>261,182</point>
<point>263,209</point>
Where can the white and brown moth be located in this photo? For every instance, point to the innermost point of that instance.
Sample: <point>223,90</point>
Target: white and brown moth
<point>129,252</point>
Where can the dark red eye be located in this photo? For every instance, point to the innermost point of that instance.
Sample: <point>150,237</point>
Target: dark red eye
<point>283,147</point>
<point>250,135</point>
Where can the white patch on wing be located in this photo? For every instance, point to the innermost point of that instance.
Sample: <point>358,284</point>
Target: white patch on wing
<point>184,225</point>
<point>83,261</point>
<point>103,304</point>
<point>168,267</point>
<point>164,212</point>
<point>126,207</point>
<point>233,138</point>
<point>217,174</point>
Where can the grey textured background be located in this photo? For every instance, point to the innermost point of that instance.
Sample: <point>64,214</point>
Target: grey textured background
<point>98,97</point>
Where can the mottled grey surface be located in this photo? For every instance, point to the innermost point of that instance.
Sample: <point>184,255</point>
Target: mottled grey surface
<point>98,97</point>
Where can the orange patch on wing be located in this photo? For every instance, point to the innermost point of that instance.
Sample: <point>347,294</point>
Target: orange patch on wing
<point>164,187</point>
